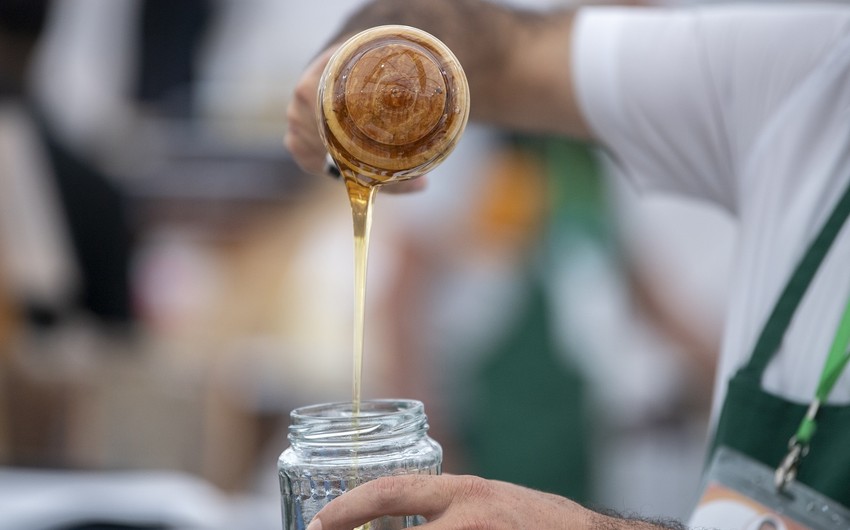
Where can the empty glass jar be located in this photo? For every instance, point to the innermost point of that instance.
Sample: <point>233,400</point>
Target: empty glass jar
<point>332,451</point>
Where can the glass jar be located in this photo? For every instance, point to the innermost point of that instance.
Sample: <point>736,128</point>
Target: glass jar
<point>332,451</point>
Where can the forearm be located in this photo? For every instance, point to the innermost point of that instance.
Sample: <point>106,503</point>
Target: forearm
<point>517,63</point>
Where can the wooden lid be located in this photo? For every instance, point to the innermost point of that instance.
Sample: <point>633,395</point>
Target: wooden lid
<point>393,103</point>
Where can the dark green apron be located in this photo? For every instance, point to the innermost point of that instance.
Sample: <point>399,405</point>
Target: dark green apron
<point>760,424</point>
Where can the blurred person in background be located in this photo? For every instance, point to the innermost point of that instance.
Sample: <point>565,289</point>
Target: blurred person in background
<point>55,199</point>
<point>742,107</point>
<point>65,241</point>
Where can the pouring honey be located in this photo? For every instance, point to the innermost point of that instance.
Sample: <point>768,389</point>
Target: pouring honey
<point>393,103</point>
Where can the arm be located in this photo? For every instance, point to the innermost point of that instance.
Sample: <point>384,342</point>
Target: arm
<point>517,62</point>
<point>467,502</point>
<point>518,65</point>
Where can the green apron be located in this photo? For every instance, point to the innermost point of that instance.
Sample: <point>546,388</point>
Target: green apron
<point>760,424</point>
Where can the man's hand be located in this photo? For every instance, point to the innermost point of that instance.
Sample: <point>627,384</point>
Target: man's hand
<point>448,501</point>
<point>469,503</point>
<point>302,135</point>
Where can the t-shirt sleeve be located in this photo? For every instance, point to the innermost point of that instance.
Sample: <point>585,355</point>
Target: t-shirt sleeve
<point>679,97</point>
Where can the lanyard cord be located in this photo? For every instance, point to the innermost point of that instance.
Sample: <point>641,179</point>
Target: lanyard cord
<point>835,363</point>
<point>838,357</point>
<point>771,338</point>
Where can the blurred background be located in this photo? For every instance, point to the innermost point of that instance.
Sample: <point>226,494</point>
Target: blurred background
<point>171,286</point>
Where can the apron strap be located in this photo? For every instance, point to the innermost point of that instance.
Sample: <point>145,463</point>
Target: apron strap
<point>772,333</point>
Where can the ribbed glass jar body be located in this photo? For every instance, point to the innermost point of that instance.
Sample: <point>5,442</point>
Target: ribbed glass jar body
<point>332,451</point>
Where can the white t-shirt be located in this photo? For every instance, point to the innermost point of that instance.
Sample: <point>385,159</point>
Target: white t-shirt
<point>747,107</point>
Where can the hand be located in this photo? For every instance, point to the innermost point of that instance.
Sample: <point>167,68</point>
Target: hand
<point>302,136</point>
<point>461,502</point>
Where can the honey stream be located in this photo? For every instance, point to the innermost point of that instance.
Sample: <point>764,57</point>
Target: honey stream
<point>361,197</point>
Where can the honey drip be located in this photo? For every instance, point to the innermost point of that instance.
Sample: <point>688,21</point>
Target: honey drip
<point>393,103</point>
<point>362,197</point>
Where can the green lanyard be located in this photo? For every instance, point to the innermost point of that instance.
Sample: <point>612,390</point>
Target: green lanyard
<point>836,361</point>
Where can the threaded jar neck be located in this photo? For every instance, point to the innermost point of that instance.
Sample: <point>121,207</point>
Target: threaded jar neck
<point>334,425</point>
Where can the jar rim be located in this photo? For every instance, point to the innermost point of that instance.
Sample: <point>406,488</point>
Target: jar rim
<point>335,424</point>
<point>370,408</point>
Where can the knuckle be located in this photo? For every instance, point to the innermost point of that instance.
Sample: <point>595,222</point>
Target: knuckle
<point>472,487</point>
<point>288,138</point>
<point>305,93</point>
<point>387,486</point>
<point>472,522</point>
<point>292,114</point>
<point>291,143</point>
<point>388,490</point>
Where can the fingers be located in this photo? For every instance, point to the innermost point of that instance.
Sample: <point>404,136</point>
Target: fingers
<point>426,495</point>
<point>302,138</point>
<point>451,502</point>
<point>302,135</point>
